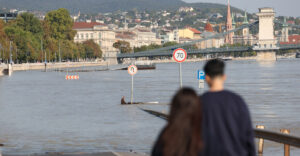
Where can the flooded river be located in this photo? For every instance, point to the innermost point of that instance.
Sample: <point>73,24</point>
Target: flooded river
<point>42,112</point>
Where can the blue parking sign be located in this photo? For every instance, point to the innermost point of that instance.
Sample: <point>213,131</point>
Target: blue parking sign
<point>201,75</point>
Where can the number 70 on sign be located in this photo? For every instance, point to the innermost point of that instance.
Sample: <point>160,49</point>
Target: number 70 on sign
<point>179,55</point>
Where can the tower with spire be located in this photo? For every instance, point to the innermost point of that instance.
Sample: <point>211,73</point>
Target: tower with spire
<point>284,32</point>
<point>233,21</point>
<point>229,37</point>
<point>245,31</point>
<point>125,24</point>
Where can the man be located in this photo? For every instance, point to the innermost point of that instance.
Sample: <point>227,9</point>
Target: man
<point>227,127</point>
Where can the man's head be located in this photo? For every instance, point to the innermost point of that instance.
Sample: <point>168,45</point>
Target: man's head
<point>214,70</point>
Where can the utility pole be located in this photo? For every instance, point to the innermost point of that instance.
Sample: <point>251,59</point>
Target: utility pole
<point>42,49</point>
<point>10,54</point>
<point>55,56</point>
<point>59,51</point>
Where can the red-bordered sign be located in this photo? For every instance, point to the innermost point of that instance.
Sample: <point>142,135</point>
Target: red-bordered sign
<point>179,55</point>
<point>132,70</point>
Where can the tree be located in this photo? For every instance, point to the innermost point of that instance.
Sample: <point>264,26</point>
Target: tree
<point>167,44</point>
<point>61,24</point>
<point>92,49</point>
<point>4,44</point>
<point>24,41</point>
<point>123,46</point>
<point>28,22</point>
<point>145,48</point>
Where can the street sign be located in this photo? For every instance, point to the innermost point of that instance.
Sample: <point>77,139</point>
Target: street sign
<point>132,70</point>
<point>179,55</point>
<point>201,75</point>
<point>201,84</point>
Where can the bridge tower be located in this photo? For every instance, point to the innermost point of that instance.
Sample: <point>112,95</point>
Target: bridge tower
<point>267,44</point>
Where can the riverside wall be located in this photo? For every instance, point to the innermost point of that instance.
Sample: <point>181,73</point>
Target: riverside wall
<point>38,66</point>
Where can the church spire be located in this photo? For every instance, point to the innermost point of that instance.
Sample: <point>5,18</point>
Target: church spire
<point>245,18</point>
<point>233,21</point>
<point>284,22</point>
<point>228,38</point>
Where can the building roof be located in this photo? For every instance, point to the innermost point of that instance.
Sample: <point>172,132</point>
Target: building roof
<point>195,31</point>
<point>293,39</point>
<point>82,25</point>
<point>142,30</point>
<point>208,27</point>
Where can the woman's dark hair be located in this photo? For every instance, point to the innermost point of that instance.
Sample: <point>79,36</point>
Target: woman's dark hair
<point>182,135</point>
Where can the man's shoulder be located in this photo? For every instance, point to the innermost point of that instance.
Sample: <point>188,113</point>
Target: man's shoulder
<point>231,93</point>
<point>222,94</point>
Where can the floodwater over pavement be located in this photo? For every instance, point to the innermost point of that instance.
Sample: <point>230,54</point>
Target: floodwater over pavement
<point>42,112</point>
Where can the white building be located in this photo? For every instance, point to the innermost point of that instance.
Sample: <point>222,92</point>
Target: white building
<point>186,9</point>
<point>168,36</point>
<point>138,37</point>
<point>144,36</point>
<point>98,32</point>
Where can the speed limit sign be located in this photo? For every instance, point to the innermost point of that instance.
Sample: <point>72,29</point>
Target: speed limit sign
<point>132,70</point>
<point>179,55</point>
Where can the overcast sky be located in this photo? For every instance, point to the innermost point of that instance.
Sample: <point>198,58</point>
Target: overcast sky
<point>282,7</point>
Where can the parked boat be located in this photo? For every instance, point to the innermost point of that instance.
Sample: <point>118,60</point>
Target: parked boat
<point>226,58</point>
<point>143,65</point>
<point>123,102</point>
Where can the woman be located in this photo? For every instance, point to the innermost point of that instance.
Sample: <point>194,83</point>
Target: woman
<point>183,134</point>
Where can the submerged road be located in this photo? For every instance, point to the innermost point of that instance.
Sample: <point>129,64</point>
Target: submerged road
<point>85,154</point>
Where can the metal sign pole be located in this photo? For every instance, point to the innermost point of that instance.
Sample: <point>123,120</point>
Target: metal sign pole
<point>132,70</point>
<point>131,89</point>
<point>201,78</point>
<point>180,75</point>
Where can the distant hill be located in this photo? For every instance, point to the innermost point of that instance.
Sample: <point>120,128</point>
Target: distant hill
<point>95,6</point>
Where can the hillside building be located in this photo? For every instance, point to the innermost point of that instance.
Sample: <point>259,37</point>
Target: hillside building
<point>189,33</point>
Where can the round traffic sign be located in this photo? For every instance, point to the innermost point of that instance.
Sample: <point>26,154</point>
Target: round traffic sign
<point>132,69</point>
<point>179,55</point>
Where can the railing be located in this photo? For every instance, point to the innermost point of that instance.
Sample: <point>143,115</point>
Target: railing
<point>191,51</point>
<point>289,46</point>
<point>260,133</point>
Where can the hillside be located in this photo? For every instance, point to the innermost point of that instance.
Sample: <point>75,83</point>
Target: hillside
<point>95,6</point>
<point>90,6</point>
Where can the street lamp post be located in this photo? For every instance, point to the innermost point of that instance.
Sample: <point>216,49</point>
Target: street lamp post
<point>10,54</point>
